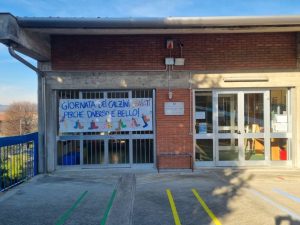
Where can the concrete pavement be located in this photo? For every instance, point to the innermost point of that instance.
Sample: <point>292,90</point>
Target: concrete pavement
<point>207,196</point>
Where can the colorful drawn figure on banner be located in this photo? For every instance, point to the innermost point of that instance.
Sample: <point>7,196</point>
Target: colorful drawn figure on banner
<point>146,119</point>
<point>93,125</point>
<point>108,122</point>
<point>121,126</point>
<point>63,120</point>
<point>134,123</point>
<point>78,125</point>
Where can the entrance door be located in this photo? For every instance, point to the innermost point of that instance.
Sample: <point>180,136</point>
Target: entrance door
<point>228,128</point>
<point>240,122</point>
<point>255,124</point>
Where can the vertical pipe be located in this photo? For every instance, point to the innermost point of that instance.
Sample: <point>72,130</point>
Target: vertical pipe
<point>35,154</point>
<point>191,105</point>
<point>45,123</point>
<point>154,128</point>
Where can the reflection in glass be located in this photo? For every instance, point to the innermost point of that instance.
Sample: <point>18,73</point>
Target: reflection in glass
<point>228,149</point>
<point>254,113</point>
<point>204,150</point>
<point>279,115</point>
<point>279,150</point>
<point>254,149</point>
<point>227,113</point>
<point>203,116</point>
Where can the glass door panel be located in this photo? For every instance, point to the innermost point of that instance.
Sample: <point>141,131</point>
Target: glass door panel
<point>227,142</point>
<point>254,148</point>
<point>204,128</point>
<point>254,126</point>
<point>228,149</point>
<point>203,113</point>
<point>204,150</point>
<point>254,113</point>
<point>227,113</point>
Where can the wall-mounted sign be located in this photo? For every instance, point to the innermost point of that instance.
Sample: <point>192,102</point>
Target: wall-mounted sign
<point>174,108</point>
<point>92,115</point>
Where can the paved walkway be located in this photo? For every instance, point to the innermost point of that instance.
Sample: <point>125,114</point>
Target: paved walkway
<point>207,196</point>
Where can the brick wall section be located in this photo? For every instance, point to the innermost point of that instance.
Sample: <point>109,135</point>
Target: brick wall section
<point>173,132</point>
<point>206,52</point>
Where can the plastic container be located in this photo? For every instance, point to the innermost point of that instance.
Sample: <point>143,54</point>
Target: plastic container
<point>72,158</point>
<point>283,155</point>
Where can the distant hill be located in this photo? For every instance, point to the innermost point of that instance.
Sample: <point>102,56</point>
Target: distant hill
<point>3,108</point>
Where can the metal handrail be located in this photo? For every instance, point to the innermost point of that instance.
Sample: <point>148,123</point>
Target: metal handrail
<point>18,159</point>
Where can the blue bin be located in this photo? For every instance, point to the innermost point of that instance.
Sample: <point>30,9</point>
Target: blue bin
<point>72,158</point>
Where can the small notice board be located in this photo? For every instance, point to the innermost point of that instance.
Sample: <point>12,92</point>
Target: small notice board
<point>174,108</point>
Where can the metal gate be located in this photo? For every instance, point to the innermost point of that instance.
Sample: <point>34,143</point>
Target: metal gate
<point>116,148</point>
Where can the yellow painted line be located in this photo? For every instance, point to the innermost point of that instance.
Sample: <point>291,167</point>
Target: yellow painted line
<point>205,207</point>
<point>173,207</point>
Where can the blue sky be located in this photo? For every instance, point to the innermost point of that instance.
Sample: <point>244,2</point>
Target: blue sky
<point>18,83</point>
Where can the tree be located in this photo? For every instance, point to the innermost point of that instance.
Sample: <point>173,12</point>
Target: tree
<point>20,118</point>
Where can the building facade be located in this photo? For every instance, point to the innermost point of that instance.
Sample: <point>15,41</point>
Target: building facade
<point>167,93</point>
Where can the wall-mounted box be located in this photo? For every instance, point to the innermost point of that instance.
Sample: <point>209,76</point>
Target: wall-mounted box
<point>174,108</point>
<point>179,61</point>
<point>169,61</point>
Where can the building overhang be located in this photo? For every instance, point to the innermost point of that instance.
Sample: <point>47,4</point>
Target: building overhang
<point>31,35</point>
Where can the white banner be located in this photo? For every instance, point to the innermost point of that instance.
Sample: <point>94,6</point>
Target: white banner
<point>113,114</point>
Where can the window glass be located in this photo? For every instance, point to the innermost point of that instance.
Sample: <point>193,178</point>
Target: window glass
<point>279,150</point>
<point>254,149</point>
<point>254,113</point>
<point>203,115</point>
<point>278,109</point>
<point>227,113</point>
<point>228,149</point>
<point>204,150</point>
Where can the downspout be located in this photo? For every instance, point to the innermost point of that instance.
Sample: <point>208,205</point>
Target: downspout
<point>42,76</point>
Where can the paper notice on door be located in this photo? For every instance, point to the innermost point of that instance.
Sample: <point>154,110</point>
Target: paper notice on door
<point>200,115</point>
<point>202,128</point>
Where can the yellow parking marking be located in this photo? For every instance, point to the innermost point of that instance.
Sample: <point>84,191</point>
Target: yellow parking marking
<point>173,207</point>
<point>205,207</point>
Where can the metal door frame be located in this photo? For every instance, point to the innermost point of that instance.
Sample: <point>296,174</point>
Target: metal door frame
<point>241,136</point>
<point>215,136</point>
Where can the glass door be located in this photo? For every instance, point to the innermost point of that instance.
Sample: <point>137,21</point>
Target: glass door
<point>256,119</point>
<point>243,127</point>
<point>227,128</point>
<point>241,118</point>
<point>204,129</point>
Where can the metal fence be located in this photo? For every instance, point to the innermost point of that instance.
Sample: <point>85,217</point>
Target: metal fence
<point>18,159</point>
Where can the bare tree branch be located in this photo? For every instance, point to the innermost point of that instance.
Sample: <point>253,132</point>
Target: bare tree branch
<point>20,118</point>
